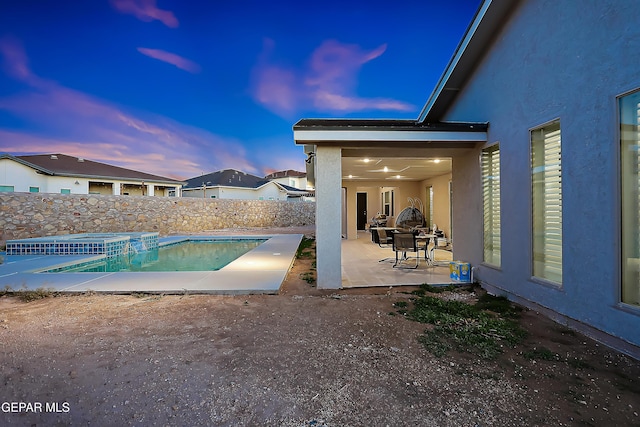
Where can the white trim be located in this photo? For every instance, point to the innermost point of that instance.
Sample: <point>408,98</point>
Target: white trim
<point>302,136</point>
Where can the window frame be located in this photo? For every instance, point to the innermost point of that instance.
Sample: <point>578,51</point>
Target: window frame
<point>622,260</point>
<point>535,276</point>
<point>491,148</point>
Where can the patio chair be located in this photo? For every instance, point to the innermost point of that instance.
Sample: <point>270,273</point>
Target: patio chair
<point>403,243</point>
<point>384,238</point>
<point>423,245</point>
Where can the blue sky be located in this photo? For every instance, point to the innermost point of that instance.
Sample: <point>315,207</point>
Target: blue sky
<point>179,88</point>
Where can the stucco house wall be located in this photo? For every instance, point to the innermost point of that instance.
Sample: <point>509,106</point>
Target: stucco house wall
<point>570,61</point>
<point>441,203</point>
<point>19,176</point>
<point>268,191</point>
<point>22,178</point>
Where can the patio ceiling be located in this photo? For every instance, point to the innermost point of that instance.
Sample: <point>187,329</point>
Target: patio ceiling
<point>397,168</point>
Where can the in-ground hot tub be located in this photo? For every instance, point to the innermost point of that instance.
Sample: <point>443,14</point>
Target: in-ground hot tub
<point>109,244</point>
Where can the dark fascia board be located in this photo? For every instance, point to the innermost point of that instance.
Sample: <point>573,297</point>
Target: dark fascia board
<point>386,125</point>
<point>489,19</point>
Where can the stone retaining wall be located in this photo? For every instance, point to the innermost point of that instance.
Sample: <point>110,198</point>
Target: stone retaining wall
<point>26,215</point>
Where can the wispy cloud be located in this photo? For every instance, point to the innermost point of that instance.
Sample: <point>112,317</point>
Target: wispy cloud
<point>146,10</point>
<point>327,83</point>
<point>171,58</point>
<point>16,63</point>
<point>71,122</point>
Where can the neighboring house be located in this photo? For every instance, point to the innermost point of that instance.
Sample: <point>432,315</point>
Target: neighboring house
<point>539,111</point>
<point>234,184</point>
<point>294,180</point>
<point>59,173</point>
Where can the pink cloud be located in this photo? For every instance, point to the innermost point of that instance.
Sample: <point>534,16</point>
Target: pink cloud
<point>146,10</point>
<point>327,83</point>
<point>171,58</point>
<point>79,124</point>
<point>16,63</point>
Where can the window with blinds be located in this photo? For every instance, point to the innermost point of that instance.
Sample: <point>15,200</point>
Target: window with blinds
<point>490,163</point>
<point>630,196</point>
<point>546,174</point>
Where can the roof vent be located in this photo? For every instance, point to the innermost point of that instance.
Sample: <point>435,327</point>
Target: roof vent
<point>54,157</point>
<point>80,159</point>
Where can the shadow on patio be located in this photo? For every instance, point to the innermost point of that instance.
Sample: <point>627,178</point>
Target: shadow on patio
<point>361,266</point>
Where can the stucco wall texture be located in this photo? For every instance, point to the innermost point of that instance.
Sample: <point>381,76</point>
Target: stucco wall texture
<point>27,215</point>
<point>565,60</point>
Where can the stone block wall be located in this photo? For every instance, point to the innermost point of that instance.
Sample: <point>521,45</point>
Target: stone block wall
<point>26,215</point>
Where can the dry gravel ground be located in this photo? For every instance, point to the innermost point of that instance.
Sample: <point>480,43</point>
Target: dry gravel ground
<point>302,358</point>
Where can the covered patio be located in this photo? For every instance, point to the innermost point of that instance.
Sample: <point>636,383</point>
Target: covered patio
<point>361,266</point>
<point>405,151</point>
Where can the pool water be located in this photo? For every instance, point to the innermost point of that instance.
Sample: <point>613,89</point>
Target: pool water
<point>194,255</point>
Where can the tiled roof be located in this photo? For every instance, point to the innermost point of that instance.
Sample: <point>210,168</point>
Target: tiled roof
<point>61,164</point>
<point>226,178</point>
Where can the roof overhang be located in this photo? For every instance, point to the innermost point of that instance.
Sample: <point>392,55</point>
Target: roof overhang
<point>386,133</point>
<point>37,168</point>
<point>386,138</point>
<point>489,19</point>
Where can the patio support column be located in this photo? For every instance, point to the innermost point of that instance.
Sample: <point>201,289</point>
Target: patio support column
<point>328,173</point>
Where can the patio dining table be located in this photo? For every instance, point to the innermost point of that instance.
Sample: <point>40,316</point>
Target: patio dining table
<point>425,238</point>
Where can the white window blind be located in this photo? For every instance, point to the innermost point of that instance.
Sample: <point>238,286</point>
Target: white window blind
<point>490,163</point>
<point>547,202</point>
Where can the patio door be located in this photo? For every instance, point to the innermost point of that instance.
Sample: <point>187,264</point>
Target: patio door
<point>361,210</point>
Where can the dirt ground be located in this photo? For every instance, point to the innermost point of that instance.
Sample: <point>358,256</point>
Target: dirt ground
<point>301,358</point>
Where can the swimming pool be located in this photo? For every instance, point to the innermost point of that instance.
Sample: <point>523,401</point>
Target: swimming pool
<point>259,271</point>
<point>190,255</point>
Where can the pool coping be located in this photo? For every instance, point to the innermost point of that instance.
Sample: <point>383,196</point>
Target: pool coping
<point>260,271</point>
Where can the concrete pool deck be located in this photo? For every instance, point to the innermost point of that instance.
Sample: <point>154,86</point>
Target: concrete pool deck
<point>261,270</point>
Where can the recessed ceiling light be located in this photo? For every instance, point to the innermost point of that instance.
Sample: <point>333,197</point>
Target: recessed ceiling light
<point>398,176</point>
<point>350,176</point>
<point>386,169</point>
<point>436,160</point>
<point>366,160</point>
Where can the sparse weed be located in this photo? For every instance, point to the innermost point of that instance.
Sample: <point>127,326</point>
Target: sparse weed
<point>578,363</point>
<point>465,327</point>
<point>308,277</point>
<point>28,295</point>
<point>436,289</point>
<point>498,304</point>
<point>304,249</point>
<point>541,353</point>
